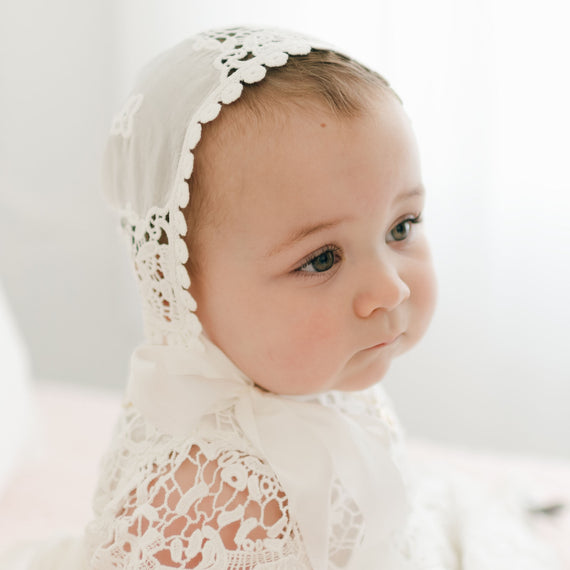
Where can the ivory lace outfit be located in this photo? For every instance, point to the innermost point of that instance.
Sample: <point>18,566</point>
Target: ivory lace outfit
<point>200,449</point>
<point>207,471</point>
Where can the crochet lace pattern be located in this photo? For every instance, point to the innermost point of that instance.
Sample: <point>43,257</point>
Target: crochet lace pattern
<point>198,504</point>
<point>209,501</point>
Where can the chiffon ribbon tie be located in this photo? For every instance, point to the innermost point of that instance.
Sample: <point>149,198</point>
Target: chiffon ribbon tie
<point>307,444</point>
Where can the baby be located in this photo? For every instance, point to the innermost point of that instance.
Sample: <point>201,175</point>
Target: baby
<point>302,204</point>
<point>271,191</point>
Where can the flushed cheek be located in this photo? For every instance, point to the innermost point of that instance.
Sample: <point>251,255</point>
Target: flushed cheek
<point>308,343</point>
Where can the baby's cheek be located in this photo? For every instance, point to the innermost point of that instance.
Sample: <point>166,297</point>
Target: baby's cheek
<point>312,339</point>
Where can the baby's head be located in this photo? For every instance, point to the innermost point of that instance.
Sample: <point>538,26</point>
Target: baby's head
<point>271,193</point>
<point>307,258</point>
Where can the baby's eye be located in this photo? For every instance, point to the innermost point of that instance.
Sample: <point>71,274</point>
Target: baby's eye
<point>402,229</point>
<point>322,261</point>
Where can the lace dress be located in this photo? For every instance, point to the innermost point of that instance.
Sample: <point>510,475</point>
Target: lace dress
<point>186,490</point>
<point>212,500</point>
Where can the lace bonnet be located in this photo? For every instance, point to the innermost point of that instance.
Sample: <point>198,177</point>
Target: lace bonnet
<point>148,159</point>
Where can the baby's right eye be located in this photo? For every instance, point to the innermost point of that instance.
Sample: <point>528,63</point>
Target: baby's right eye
<point>319,262</point>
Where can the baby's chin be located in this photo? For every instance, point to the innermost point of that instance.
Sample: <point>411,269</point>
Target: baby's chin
<point>361,378</point>
<point>366,378</point>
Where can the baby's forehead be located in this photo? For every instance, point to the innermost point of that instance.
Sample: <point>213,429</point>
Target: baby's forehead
<point>242,137</point>
<point>321,87</point>
<point>246,155</point>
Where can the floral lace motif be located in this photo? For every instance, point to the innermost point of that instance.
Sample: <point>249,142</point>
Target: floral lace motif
<point>346,527</point>
<point>123,121</point>
<point>150,241</point>
<point>207,503</point>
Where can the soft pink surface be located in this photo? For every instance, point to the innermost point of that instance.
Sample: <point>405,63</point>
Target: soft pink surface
<point>51,490</point>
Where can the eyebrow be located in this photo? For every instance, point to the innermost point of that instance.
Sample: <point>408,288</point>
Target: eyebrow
<point>305,231</point>
<point>417,191</point>
<point>301,233</point>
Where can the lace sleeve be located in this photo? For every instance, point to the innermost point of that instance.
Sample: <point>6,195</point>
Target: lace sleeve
<point>204,507</point>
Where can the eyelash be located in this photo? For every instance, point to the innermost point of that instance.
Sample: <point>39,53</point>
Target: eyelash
<point>309,260</point>
<point>417,219</point>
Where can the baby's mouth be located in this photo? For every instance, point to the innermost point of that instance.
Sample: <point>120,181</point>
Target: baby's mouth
<point>385,343</point>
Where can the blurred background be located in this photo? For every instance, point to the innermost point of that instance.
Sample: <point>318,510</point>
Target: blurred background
<point>486,83</point>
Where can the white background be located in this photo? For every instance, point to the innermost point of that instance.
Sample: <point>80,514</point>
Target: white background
<point>486,84</point>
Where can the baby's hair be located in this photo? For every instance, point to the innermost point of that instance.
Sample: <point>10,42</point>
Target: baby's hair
<point>322,78</point>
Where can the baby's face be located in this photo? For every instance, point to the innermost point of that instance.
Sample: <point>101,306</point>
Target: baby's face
<point>317,275</point>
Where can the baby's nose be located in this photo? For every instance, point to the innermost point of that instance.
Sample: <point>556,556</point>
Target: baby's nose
<point>382,288</point>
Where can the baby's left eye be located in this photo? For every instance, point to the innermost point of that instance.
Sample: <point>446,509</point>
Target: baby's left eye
<point>402,229</point>
<point>322,261</point>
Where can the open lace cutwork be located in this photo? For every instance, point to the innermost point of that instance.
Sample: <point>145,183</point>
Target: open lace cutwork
<point>208,504</point>
<point>211,501</point>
